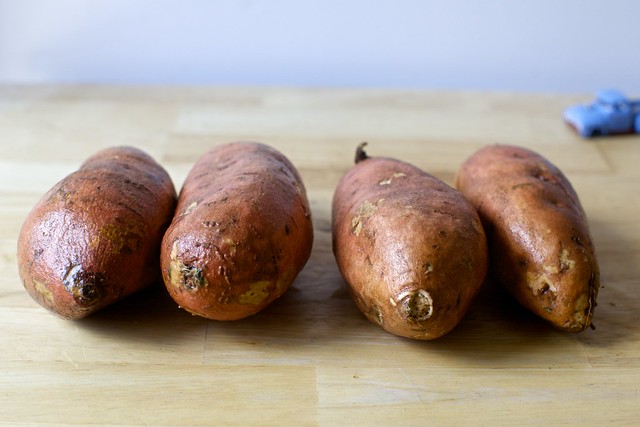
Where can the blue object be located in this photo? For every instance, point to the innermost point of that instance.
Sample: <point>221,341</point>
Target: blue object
<point>611,113</point>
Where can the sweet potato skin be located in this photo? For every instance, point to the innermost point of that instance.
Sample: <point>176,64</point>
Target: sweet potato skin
<point>94,238</point>
<point>411,248</point>
<point>540,246</point>
<point>241,234</point>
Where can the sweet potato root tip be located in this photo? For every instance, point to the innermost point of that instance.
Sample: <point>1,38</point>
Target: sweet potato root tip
<point>360,153</point>
<point>85,287</point>
<point>417,306</point>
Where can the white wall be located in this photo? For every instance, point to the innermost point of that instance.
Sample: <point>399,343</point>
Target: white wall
<point>530,45</point>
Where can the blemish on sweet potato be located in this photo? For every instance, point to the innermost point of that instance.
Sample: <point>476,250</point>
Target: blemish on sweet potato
<point>364,211</point>
<point>257,293</point>
<point>389,180</point>
<point>184,276</point>
<point>120,237</point>
<point>521,185</point>
<point>230,247</point>
<point>427,267</point>
<point>42,290</point>
<point>581,309</point>
<point>190,208</point>
<point>541,284</point>
<point>417,306</point>
<point>376,315</point>
<point>84,286</point>
<point>566,262</point>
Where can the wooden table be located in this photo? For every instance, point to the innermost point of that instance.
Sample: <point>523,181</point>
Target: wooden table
<point>311,358</point>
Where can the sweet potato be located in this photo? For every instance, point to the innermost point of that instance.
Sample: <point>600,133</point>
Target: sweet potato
<point>95,236</point>
<point>241,234</point>
<point>411,248</point>
<point>540,246</point>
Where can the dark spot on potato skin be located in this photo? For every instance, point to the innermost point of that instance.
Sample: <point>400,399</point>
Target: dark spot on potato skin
<point>577,240</point>
<point>418,307</point>
<point>445,212</point>
<point>544,176</point>
<point>192,277</point>
<point>86,287</point>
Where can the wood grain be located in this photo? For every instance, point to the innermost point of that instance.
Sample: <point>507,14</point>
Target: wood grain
<point>311,358</point>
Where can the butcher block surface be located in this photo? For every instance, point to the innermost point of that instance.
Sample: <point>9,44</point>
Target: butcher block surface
<point>311,358</point>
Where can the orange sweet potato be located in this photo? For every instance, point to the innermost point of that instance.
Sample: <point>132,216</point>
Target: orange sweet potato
<point>94,238</point>
<point>241,234</point>
<point>411,248</point>
<point>540,246</point>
